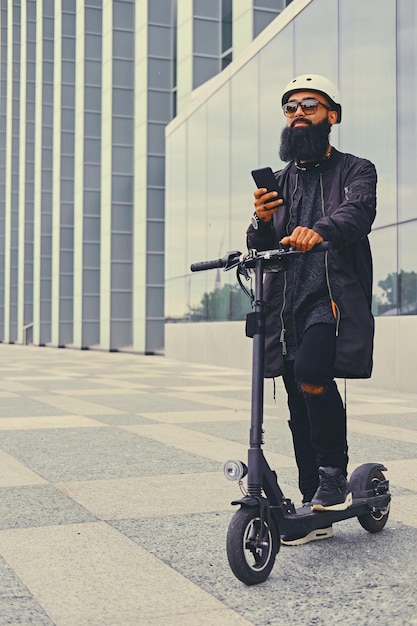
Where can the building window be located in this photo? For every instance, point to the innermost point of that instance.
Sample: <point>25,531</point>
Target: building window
<point>227,33</point>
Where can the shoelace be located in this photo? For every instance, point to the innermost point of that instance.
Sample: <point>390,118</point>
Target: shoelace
<point>329,483</point>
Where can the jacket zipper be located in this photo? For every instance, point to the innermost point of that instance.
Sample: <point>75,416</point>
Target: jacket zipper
<point>291,206</point>
<point>284,293</point>
<point>283,329</point>
<point>335,308</point>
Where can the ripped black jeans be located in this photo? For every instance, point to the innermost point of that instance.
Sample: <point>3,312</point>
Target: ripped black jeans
<point>317,415</point>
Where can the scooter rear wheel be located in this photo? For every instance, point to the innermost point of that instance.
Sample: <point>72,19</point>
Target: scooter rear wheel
<point>374,521</point>
<point>251,549</point>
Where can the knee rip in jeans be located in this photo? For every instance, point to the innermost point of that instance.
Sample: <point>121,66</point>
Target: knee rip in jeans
<point>312,390</point>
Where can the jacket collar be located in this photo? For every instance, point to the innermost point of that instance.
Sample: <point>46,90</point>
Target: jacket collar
<point>324,165</point>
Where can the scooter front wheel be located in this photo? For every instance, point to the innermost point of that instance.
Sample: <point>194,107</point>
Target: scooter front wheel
<point>252,546</point>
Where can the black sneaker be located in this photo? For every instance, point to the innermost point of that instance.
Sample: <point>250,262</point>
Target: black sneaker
<point>333,492</point>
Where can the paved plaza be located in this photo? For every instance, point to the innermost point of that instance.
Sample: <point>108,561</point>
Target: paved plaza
<point>114,508</point>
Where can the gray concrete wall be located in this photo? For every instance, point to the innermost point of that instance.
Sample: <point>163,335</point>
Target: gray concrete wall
<point>225,343</point>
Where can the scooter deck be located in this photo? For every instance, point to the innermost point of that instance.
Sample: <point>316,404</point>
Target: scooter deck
<point>304,520</point>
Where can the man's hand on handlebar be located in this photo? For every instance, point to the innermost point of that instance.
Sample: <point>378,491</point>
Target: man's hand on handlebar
<point>265,207</point>
<point>302,238</point>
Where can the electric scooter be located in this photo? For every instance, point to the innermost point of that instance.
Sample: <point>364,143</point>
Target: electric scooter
<point>253,537</point>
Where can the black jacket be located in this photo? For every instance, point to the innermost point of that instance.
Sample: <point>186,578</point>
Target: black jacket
<point>348,186</point>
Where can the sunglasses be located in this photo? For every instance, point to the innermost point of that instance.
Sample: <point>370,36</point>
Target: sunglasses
<point>308,106</point>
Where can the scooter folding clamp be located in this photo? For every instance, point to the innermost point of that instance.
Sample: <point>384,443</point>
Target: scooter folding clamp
<point>255,323</point>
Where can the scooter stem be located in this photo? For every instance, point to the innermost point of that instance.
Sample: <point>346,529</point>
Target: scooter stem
<point>258,354</point>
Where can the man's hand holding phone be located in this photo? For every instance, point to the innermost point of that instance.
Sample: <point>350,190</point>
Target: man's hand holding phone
<point>268,197</point>
<point>266,204</point>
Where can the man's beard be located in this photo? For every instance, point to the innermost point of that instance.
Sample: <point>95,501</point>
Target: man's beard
<point>305,143</point>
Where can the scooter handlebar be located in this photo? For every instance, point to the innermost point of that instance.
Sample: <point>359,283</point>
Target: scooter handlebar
<point>322,247</point>
<point>206,265</point>
<point>232,259</point>
<point>319,247</point>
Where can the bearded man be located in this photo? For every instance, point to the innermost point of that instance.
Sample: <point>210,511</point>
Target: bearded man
<point>319,323</point>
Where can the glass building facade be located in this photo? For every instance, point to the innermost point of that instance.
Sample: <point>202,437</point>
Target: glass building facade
<point>82,118</point>
<point>87,89</point>
<point>235,127</point>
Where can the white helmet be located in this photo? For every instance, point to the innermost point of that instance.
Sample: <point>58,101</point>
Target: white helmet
<point>315,82</point>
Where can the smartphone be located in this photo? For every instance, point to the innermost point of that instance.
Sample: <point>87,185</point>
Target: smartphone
<point>264,177</point>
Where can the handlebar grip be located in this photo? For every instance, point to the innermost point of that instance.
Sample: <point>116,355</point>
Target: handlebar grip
<point>322,247</point>
<point>207,265</point>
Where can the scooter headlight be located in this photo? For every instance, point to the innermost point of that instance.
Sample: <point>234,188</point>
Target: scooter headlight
<point>235,470</point>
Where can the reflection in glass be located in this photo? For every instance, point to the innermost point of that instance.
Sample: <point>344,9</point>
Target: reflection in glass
<point>407,115</point>
<point>384,253</point>
<point>176,271</point>
<point>370,131</point>
<point>320,57</point>
<point>273,77</point>
<point>218,173</point>
<point>407,275</point>
<point>244,137</point>
<point>196,186</point>
<point>212,150</point>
